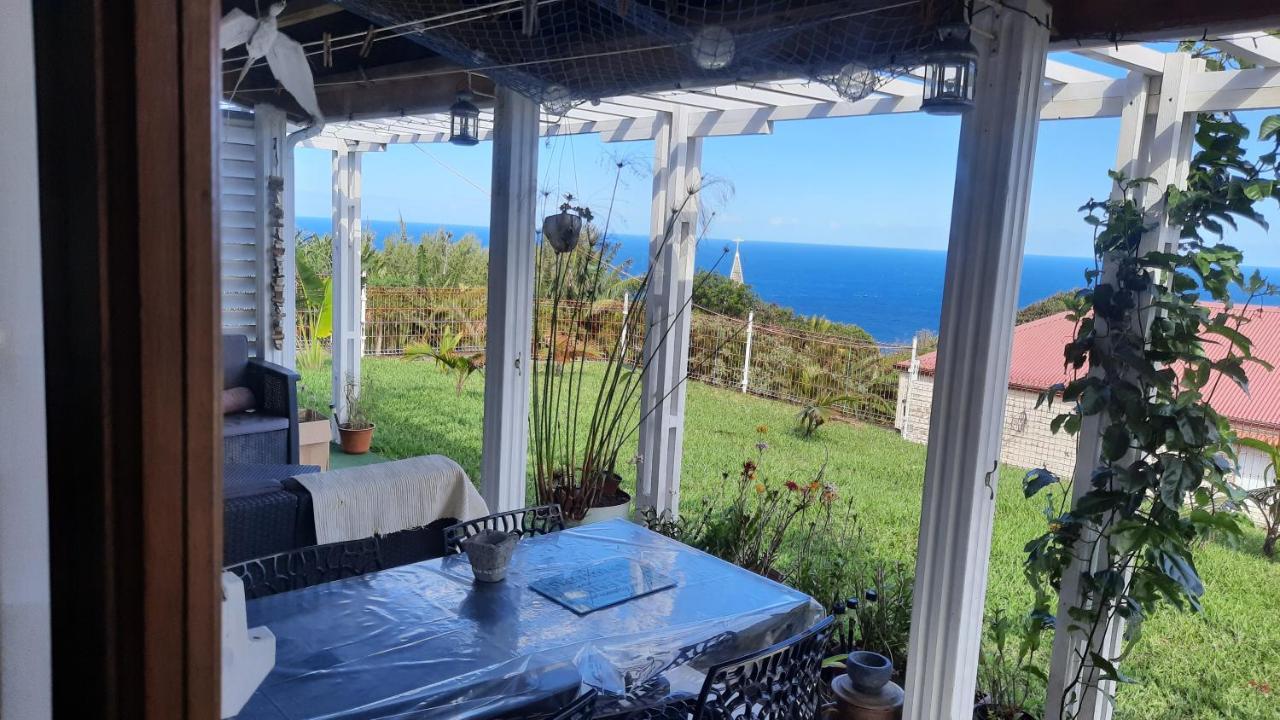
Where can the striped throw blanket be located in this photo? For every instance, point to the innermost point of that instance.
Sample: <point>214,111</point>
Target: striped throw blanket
<point>383,498</point>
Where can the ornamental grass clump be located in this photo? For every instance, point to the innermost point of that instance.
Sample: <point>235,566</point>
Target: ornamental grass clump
<point>577,433</point>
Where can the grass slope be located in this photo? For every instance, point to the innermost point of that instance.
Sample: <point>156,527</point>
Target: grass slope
<point>1191,667</point>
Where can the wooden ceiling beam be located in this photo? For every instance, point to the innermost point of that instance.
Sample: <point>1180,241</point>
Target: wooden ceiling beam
<point>1094,23</point>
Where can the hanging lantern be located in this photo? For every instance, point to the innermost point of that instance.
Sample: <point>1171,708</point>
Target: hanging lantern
<point>712,47</point>
<point>464,121</point>
<point>558,100</point>
<point>950,72</point>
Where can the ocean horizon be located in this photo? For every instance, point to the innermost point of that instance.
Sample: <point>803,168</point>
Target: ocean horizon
<point>892,293</point>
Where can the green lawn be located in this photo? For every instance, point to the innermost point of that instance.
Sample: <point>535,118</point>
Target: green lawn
<point>1190,666</point>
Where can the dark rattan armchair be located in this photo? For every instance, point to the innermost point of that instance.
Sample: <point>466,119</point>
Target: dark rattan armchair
<point>268,432</point>
<point>778,683</point>
<point>525,522</point>
<point>304,567</point>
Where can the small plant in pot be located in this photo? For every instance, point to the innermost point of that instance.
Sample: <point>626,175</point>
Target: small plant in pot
<point>562,229</point>
<point>1007,669</point>
<point>356,432</point>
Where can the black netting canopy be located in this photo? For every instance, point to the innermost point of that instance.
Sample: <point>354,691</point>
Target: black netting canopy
<point>562,52</point>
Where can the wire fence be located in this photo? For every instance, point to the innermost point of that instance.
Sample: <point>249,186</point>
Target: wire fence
<point>841,376</point>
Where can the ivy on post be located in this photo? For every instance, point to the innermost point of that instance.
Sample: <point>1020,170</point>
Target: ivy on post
<point>1155,336</point>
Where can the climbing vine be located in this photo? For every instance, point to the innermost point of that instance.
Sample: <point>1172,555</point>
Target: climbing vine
<point>1146,357</point>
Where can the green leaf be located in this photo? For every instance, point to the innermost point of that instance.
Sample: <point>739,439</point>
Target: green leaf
<point>1115,442</point>
<point>1037,480</point>
<point>1270,126</point>
<point>1108,669</point>
<point>324,323</point>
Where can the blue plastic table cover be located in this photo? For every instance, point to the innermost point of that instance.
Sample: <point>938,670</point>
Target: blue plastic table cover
<point>426,640</point>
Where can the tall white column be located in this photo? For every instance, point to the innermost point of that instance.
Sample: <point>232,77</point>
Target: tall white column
<point>984,262</point>
<point>1158,146</point>
<point>676,178</point>
<point>503,467</point>
<point>347,240</point>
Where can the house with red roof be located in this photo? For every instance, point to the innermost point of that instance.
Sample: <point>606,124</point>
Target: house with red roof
<point>1037,364</point>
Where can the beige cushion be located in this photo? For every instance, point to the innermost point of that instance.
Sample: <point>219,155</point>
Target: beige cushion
<point>237,399</point>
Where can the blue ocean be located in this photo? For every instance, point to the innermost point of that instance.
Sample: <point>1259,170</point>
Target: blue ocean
<point>892,293</point>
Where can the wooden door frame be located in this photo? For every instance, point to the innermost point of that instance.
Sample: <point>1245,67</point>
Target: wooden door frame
<point>127,108</point>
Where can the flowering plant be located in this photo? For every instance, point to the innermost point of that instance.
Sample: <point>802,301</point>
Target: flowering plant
<point>769,527</point>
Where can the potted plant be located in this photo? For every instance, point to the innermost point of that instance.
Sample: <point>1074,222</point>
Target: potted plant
<point>578,425</point>
<point>563,229</point>
<point>1006,667</point>
<point>356,432</point>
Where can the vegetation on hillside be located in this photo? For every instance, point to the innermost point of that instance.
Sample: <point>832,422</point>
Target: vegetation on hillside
<point>718,293</point>
<point>1052,305</point>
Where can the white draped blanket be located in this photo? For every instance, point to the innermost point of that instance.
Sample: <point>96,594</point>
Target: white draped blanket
<point>382,498</point>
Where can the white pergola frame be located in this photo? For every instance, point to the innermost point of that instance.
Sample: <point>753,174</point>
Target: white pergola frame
<point>1156,101</point>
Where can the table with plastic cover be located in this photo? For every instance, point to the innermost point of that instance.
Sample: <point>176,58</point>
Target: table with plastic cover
<point>426,640</point>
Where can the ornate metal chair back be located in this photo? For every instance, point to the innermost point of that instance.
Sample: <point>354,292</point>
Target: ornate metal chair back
<point>525,522</point>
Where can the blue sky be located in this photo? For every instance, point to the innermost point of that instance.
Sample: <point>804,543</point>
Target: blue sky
<point>882,180</point>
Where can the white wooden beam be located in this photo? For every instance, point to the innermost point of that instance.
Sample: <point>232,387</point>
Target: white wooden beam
<point>508,362</point>
<point>1259,48</point>
<point>333,144</point>
<point>1133,150</point>
<point>348,325</point>
<point>1059,72</point>
<point>979,301</point>
<point>1132,57</point>
<point>673,234</point>
<point>1251,89</point>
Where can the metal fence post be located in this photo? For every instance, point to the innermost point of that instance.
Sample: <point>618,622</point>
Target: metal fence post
<point>626,308</point>
<point>913,372</point>
<point>746,355</point>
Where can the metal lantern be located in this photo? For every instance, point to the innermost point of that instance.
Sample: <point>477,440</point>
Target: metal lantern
<point>464,121</point>
<point>712,47</point>
<point>950,72</point>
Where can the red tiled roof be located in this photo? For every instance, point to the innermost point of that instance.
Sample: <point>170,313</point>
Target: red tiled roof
<point>1037,364</point>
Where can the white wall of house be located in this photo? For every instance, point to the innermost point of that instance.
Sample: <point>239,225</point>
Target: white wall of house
<point>24,519</point>
<point>1027,441</point>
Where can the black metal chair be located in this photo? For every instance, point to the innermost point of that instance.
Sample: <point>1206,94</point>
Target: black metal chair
<point>525,522</point>
<point>777,683</point>
<point>583,708</point>
<point>304,567</point>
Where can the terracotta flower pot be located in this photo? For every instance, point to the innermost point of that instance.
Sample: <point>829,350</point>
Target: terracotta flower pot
<point>355,442</point>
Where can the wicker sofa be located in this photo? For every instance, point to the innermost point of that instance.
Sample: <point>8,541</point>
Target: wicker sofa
<point>266,433</point>
<point>266,511</point>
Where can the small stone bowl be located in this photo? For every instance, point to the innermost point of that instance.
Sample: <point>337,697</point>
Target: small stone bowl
<point>868,671</point>
<point>490,553</point>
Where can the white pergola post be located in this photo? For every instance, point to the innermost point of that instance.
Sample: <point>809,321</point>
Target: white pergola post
<point>979,301</point>
<point>269,139</point>
<point>508,347</point>
<point>676,174</point>
<point>347,241</point>
<point>1157,146</point>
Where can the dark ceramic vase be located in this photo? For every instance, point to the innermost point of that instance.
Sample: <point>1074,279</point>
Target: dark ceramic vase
<point>868,671</point>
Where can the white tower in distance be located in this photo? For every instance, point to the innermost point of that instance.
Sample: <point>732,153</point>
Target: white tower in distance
<point>735,274</point>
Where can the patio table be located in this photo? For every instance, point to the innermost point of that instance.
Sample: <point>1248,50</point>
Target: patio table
<point>427,640</point>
